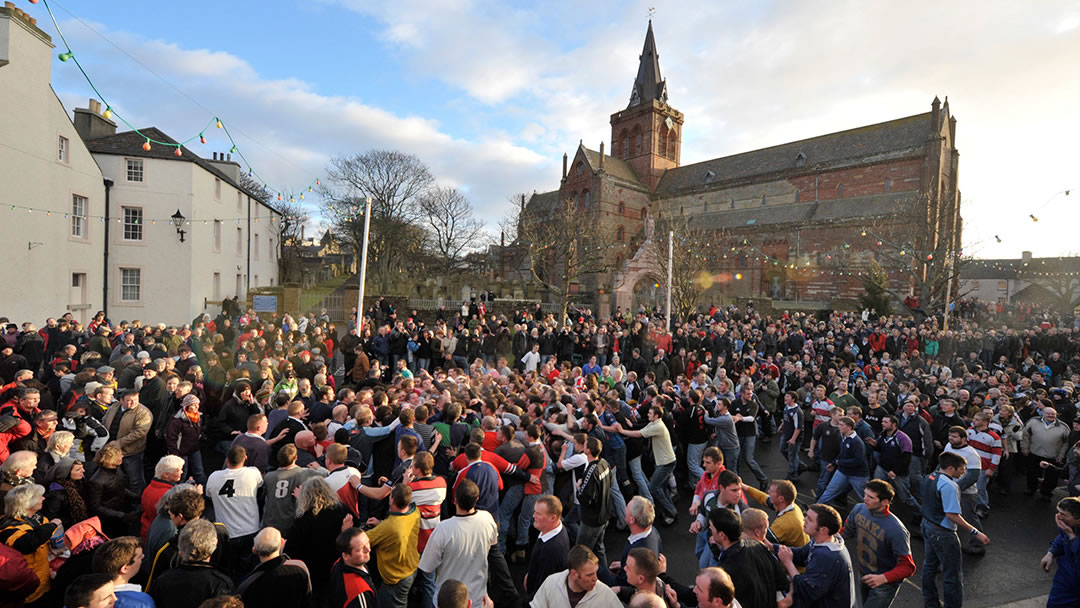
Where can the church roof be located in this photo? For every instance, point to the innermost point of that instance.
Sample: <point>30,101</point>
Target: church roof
<point>648,85</point>
<point>616,167</point>
<point>818,212</point>
<point>543,202</point>
<point>883,141</point>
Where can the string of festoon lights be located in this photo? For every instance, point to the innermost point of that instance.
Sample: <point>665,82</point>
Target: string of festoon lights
<point>213,124</point>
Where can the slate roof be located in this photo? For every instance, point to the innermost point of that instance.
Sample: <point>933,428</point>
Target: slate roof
<point>648,85</point>
<point>887,140</point>
<point>543,202</point>
<point>130,143</point>
<point>878,205</point>
<point>1011,268</point>
<point>615,167</point>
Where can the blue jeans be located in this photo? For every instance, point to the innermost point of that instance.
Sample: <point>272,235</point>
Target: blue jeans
<point>593,538</point>
<point>791,453</point>
<point>193,467</point>
<point>396,595</point>
<point>426,582</point>
<point>617,503</point>
<point>461,362</point>
<point>616,458</point>
<point>731,455</point>
<point>984,500</point>
<point>658,488</point>
<point>528,505</point>
<point>915,476</point>
<point>693,462</point>
<point>900,484</point>
<point>942,553</point>
<point>746,454</point>
<point>879,597</point>
<point>638,475</point>
<point>509,503</point>
<point>701,547</point>
<point>133,470</point>
<point>601,359</point>
<point>840,484</point>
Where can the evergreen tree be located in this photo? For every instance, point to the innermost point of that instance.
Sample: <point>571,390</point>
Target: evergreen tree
<point>876,286</point>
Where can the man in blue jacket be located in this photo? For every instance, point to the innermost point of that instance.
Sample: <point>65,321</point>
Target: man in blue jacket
<point>828,581</point>
<point>850,465</point>
<point>1065,591</point>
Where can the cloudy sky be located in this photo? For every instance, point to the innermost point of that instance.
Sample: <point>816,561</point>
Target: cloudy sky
<point>490,94</point>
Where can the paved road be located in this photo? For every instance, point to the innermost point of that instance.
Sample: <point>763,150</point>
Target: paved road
<point>1019,528</point>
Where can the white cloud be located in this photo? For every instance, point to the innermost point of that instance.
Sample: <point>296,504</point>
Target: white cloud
<point>746,75</point>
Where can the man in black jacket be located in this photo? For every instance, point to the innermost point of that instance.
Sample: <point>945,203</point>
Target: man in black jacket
<point>551,548</point>
<point>349,577</point>
<point>756,573</point>
<point>277,580</point>
<point>593,494</point>
<point>196,579</point>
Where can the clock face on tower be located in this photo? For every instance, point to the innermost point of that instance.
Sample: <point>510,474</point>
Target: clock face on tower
<point>669,123</point>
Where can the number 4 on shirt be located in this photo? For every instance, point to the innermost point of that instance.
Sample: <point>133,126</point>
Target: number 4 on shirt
<point>227,489</point>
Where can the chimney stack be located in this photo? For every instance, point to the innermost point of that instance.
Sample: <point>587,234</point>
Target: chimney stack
<point>601,156</point>
<point>564,165</point>
<point>1025,257</point>
<point>90,124</point>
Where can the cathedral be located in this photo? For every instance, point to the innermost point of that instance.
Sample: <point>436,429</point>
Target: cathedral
<point>786,215</point>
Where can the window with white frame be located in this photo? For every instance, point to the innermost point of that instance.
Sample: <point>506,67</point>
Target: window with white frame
<point>79,205</point>
<point>217,188</point>
<point>217,235</point>
<point>133,223</point>
<point>62,149</point>
<point>135,170</point>
<point>130,284</point>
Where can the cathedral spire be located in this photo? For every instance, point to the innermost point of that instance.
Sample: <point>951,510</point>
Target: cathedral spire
<point>648,85</point>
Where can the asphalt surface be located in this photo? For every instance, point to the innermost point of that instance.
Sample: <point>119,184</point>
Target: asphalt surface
<point>1020,528</point>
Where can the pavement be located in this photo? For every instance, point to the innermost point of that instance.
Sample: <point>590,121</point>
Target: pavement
<point>1008,575</point>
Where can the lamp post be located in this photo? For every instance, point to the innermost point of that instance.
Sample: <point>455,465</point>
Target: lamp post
<point>363,269</point>
<point>178,221</point>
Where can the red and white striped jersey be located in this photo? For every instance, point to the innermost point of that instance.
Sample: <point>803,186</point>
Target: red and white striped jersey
<point>428,496</point>
<point>988,444</point>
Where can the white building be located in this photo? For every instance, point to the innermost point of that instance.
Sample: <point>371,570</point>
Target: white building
<point>85,211</point>
<point>158,272</point>
<point>51,243</point>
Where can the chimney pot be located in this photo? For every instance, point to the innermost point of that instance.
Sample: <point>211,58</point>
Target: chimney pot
<point>601,156</point>
<point>9,4</point>
<point>1025,256</point>
<point>228,157</point>
<point>95,106</point>
<point>33,21</point>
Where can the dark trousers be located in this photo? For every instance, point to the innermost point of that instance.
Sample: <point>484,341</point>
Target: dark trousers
<point>1049,475</point>
<point>500,585</point>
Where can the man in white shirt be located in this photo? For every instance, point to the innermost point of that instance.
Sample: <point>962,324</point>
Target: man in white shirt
<point>579,581</point>
<point>531,359</point>
<point>233,492</point>
<point>340,473</point>
<point>458,548</point>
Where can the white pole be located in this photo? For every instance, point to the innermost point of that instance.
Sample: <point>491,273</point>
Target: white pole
<point>670,255</point>
<point>363,268</point>
<point>948,289</point>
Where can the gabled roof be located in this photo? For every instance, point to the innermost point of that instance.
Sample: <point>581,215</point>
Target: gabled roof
<point>543,202</point>
<point>616,167</point>
<point>838,210</point>
<point>1012,268</point>
<point>648,85</point>
<point>898,138</point>
<point>130,143</point>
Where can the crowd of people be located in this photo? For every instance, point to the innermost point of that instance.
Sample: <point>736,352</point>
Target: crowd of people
<point>464,458</point>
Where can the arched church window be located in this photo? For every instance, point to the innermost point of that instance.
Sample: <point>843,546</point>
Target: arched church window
<point>619,234</point>
<point>839,190</point>
<point>622,208</point>
<point>588,199</point>
<point>625,144</point>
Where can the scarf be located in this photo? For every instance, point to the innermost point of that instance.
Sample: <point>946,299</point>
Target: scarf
<point>76,504</point>
<point>193,416</point>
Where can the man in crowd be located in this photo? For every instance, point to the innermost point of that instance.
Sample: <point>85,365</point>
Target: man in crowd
<point>1065,550</point>
<point>578,585</point>
<point>128,422</point>
<point>828,581</point>
<point>881,544</point>
<point>350,582</point>
<point>458,548</point>
<point>277,580</point>
<point>549,552</point>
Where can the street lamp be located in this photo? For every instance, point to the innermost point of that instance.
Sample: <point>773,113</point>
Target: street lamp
<point>178,221</point>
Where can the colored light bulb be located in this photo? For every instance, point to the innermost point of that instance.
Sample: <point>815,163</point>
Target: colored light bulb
<point>178,152</point>
<point>232,150</point>
<point>107,114</point>
<point>202,139</point>
<point>218,121</point>
<point>146,146</point>
<point>66,56</point>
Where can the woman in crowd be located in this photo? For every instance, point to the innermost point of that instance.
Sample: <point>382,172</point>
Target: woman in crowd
<point>65,500</point>
<point>26,530</point>
<point>107,493</point>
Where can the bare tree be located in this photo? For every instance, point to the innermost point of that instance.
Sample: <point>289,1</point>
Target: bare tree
<point>294,217</point>
<point>565,245</point>
<point>395,182</point>
<point>691,260</point>
<point>448,217</point>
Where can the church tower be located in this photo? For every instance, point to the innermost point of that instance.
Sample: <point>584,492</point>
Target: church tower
<point>648,133</point>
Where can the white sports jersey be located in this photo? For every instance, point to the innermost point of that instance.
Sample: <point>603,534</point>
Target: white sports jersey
<point>233,492</point>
